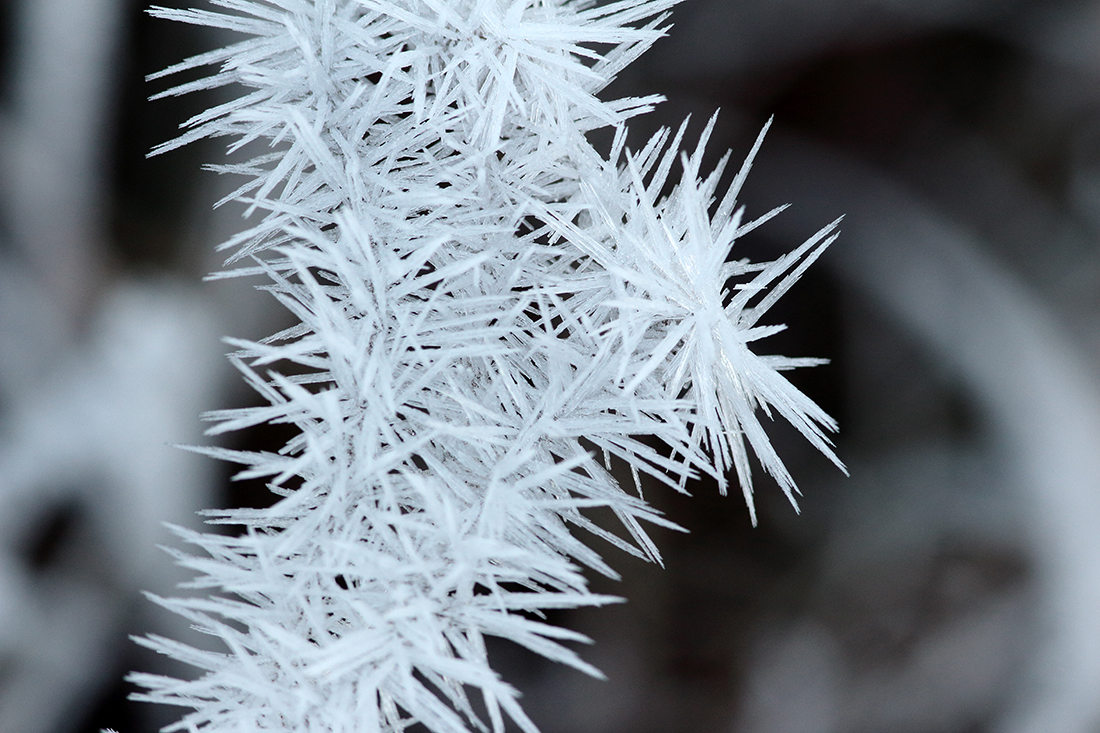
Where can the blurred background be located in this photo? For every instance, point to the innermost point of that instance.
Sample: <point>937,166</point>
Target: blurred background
<point>951,584</point>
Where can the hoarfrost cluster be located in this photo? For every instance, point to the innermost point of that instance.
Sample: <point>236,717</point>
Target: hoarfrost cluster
<point>495,318</point>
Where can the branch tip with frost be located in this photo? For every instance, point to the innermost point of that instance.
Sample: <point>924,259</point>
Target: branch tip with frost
<point>492,318</point>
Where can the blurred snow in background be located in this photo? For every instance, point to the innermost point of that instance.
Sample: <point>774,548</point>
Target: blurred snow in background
<point>952,585</point>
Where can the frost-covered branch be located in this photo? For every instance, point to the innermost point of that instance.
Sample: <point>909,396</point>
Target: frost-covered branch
<point>491,314</point>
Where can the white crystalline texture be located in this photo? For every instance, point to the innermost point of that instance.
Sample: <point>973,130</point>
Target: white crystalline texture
<point>483,299</point>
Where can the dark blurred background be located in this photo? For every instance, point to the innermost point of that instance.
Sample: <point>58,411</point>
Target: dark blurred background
<point>951,584</point>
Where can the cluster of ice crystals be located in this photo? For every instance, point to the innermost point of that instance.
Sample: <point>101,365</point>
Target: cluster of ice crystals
<point>492,314</point>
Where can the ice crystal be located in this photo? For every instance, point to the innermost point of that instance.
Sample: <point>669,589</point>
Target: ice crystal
<point>492,314</point>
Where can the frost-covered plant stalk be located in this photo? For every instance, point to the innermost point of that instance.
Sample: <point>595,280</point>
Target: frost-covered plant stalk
<point>492,315</point>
